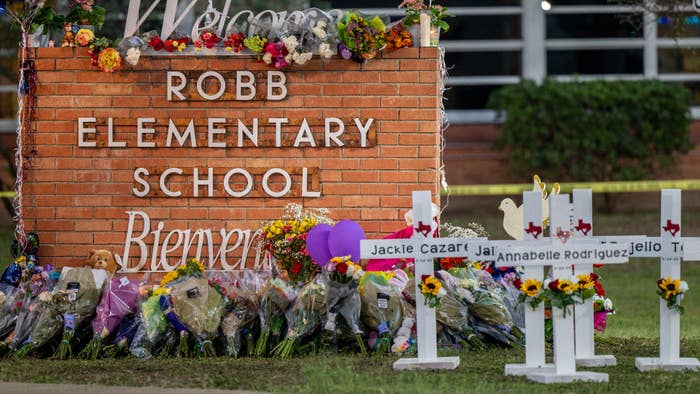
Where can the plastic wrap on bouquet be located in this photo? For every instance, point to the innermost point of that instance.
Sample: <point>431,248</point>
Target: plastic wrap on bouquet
<point>197,306</point>
<point>382,309</point>
<point>323,33</point>
<point>304,318</point>
<point>454,310</point>
<point>277,295</point>
<point>12,298</point>
<point>118,301</point>
<point>154,332</point>
<point>124,336</point>
<point>42,282</point>
<point>73,303</point>
<point>242,311</point>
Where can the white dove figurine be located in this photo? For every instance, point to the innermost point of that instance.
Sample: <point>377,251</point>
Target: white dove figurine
<point>512,218</point>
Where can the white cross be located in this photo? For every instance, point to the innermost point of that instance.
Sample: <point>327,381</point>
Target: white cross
<point>423,249</point>
<point>669,330</point>
<point>560,254</point>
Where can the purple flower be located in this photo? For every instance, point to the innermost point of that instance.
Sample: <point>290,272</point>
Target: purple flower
<point>344,52</point>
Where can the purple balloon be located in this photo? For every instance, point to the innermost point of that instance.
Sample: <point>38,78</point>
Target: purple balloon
<point>344,239</point>
<point>317,244</point>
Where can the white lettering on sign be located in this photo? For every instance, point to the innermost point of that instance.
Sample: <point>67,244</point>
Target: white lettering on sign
<point>160,258</point>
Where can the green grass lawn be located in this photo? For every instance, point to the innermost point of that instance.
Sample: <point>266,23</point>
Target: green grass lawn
<point>632,332</point>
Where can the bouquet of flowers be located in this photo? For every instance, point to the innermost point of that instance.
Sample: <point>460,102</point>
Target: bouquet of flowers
<point>672,290</point>
<point>242,311</point>
<point>382,309</point>
<point>360,39</point>
<point>197,307</point>
<point>602,307</point>
<point>85,12</point>
<point>323,31</point>
<point>234,42</point>
<point>276,297</point>
<point>74,302</point>
<point>285,240</point>
<point>154,331</point>
<point>453,311</point>
<point>207,39</point>
<point>342,297</point>
<point>12,298</point>
<point>41,284</point>
<point>398,37</point>
<point>118,301</point>
<point>305,317</point>
<point>256,44</point>
<point>561,293</point>
<point>125,334</point>
<point>78,301</point>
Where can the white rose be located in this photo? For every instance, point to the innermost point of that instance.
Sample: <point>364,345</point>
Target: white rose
<point>45,296</point>
<point>325,50</point>
<point>288,58</point>
<point>350,271</point>
<point>358,275</point>
<point>302,58</point>
<point>290,43</point>
<point>607,304</point>
<point>684,286</point>
<point>267,58</point>
<point>133,55</point>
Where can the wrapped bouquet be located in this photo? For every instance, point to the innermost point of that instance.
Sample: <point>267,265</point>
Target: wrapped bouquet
<point>382,309</point>
<point>118,301</point>
<point>242,311</point>
<point>305,317</point>
<point>342,297</point>
<point>276,296</point>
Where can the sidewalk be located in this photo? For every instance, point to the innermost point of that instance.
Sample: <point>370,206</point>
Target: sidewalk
<point>40,388</point>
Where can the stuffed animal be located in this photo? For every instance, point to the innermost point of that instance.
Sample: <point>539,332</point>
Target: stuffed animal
<point>68,37</point>
<point>102,259</point>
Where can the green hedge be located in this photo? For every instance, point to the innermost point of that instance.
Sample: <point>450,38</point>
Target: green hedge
<point>593,131</point>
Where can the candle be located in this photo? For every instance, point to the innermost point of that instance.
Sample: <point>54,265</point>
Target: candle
<point>424,30</point>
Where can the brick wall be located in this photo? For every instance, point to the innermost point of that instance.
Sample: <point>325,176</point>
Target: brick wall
<point>76,197</point>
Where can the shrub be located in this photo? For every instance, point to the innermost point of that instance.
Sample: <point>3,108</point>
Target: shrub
<point>593,131</point>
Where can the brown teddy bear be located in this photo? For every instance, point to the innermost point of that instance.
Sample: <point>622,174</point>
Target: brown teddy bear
<point>68,36</point>
<point>102,259</point>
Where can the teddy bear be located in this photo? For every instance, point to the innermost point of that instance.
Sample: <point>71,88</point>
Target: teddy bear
<point>68,37</point>
<point>102,259</point>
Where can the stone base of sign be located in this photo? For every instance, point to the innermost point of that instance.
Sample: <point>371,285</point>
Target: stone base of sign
<point>597,361</point>
<point>435,363</point>
<point>582,376</point>
<point>646,364</point>
<point>524,369</point>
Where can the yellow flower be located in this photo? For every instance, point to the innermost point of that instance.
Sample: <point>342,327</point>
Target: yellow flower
<point>585,281</point>
<point>430,286</point>
<point>670,287</point>
<point>161,291</point>
<point>531,287</point>
<point>169,277</point>
<point>84,37</point>
<point>476,265</point>
<point>109,60</point>
<point>340,259</point>
<point>567,286</point>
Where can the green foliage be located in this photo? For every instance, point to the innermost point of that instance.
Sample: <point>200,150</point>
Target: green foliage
<point>593,131</point>
<point>96,17</point>
<point>48,17</point>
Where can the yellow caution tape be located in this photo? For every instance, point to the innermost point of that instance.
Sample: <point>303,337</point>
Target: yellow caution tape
<point>7,194</point>
<point>596,187</point>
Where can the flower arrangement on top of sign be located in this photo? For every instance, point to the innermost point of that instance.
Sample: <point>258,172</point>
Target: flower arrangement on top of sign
<point>281,42</point>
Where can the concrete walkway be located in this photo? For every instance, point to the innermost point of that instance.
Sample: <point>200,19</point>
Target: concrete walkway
<point>40,388</point>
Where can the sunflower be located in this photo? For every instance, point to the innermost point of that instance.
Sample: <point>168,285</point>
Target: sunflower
<point>430,286</point>
<point>670,287</point>
<point>584,281</point>
<point>531,287</point>
<point>567,286</point>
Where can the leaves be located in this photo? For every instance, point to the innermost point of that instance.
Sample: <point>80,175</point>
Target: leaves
<point>594,131</point>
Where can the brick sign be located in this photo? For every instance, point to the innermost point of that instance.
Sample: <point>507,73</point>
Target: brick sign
<point>187,152</point>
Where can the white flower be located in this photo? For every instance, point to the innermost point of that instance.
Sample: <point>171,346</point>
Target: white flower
<point>350,271</point>
<point>607,304</point>
<point>546,283</point>
<point>267,58</point>
<point>684,286</point>
<point>320,30</point>
<point>325,50</point>
<point>290,43</point>
<point>358,275</point>
<point>441,293</point>
<point>45,296</point>
<point>302,58</point>
<point>133,55</point>
<point>288,58</point>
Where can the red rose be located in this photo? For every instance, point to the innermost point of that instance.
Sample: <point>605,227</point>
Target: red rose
<point>599,289</point>
<point>554,285</point>
<point>446,264</point>
<point>296,268</point>
<point>517,283</point>
<point>156,43</point>
<point>169,45</point>
<point>341,267</point>
<point>594,276</point>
